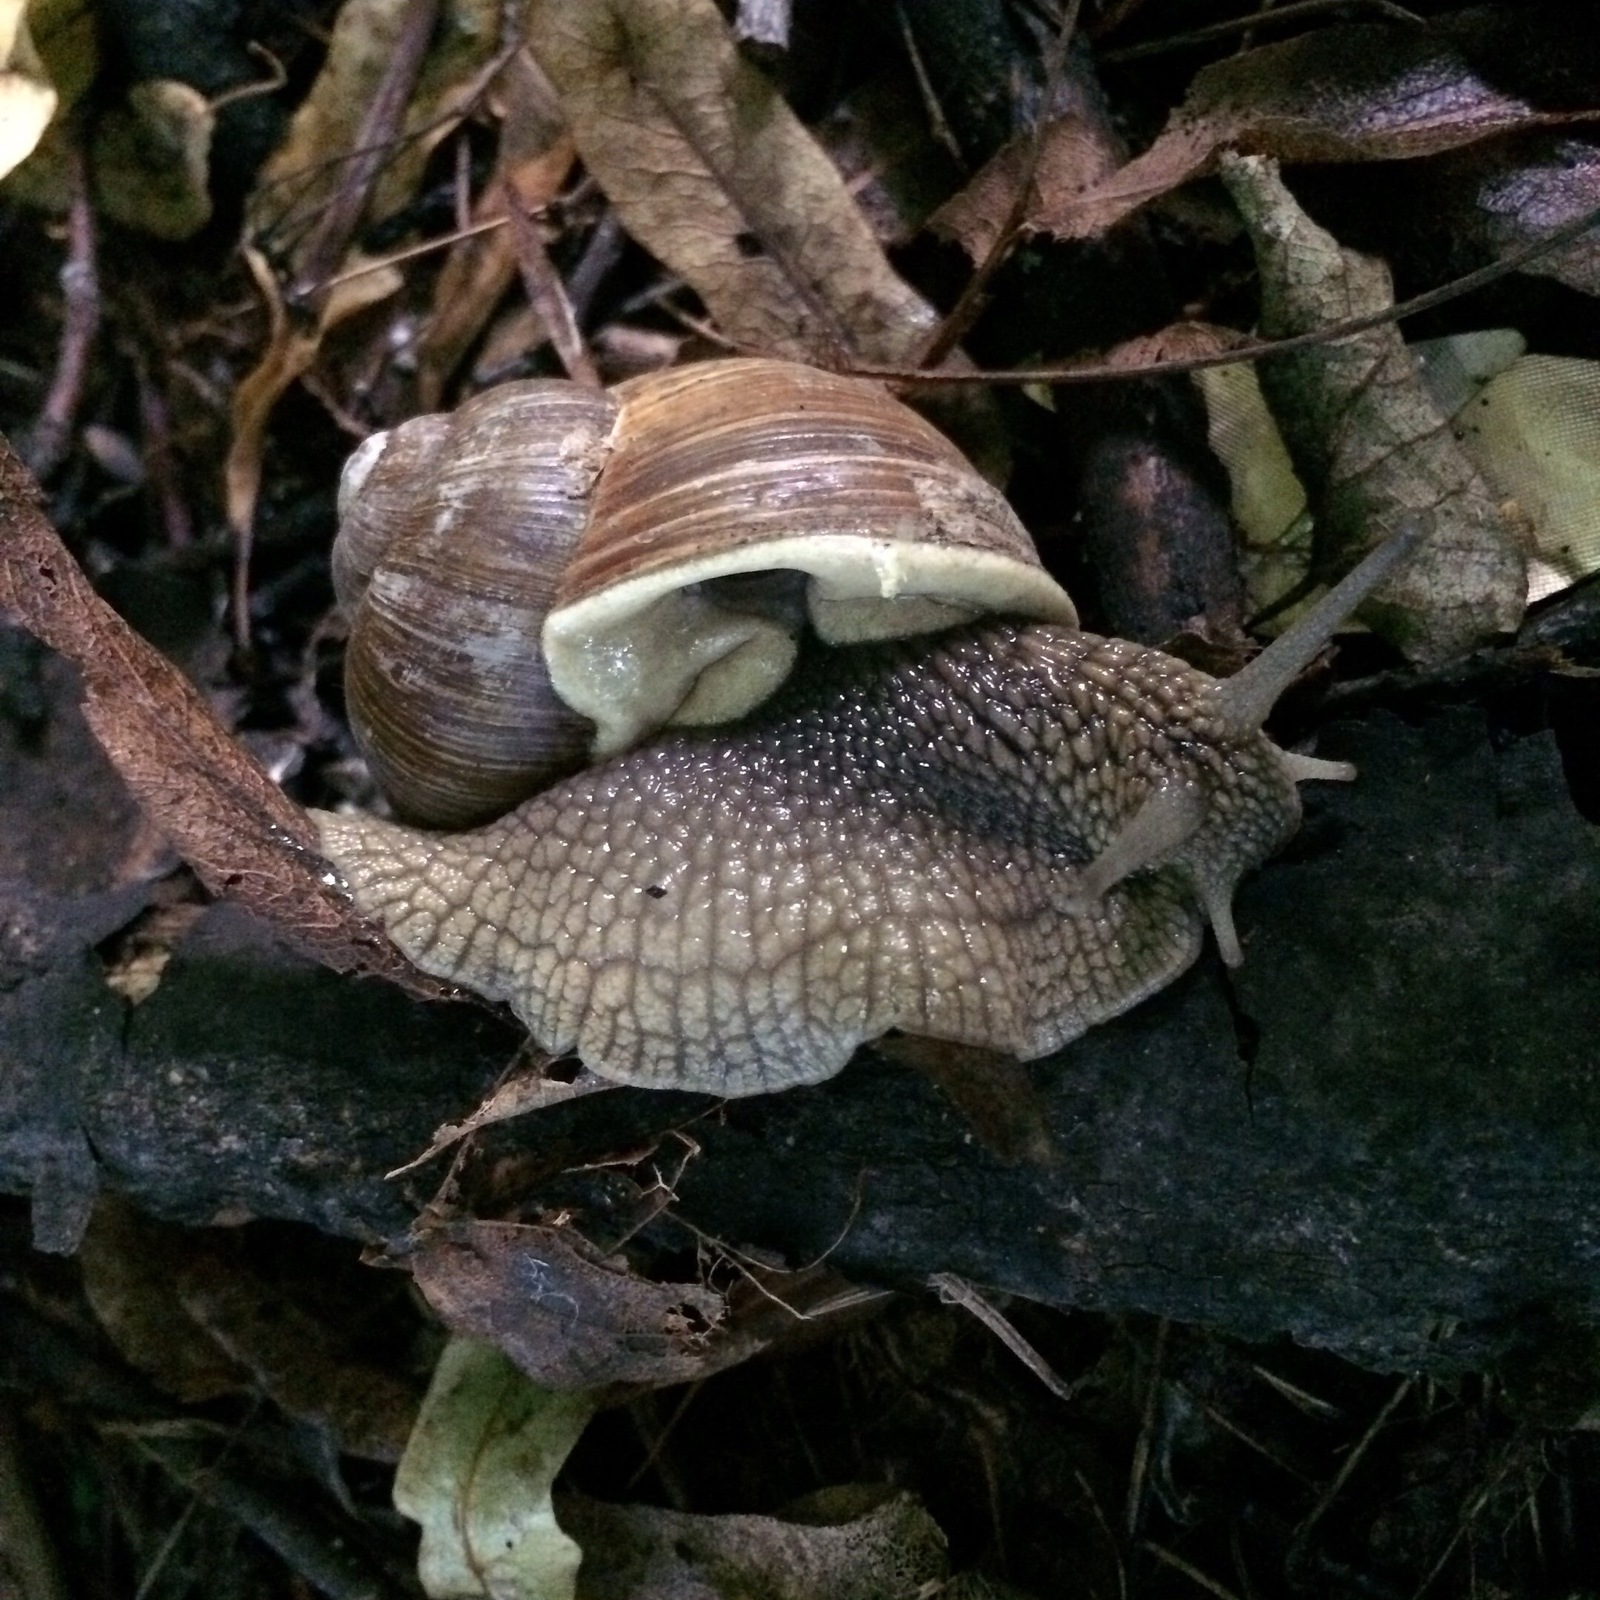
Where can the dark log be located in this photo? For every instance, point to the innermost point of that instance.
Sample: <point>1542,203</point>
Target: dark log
<point>1381,1136</point>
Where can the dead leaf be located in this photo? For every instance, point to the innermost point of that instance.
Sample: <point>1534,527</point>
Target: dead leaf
<point>291,352</point>
<point>1178,341</point>
<point>1359,92</point>
<point>244,837</point>
<point>1072,155</point>
<point>567,1320</point>
<point>151,159</point>
<point>1367,440</point>
<point>712,172</point>
<point>295,1359</point>
<point>129,1263</point>
<point>852,1542</point>
<point>477,1474</point>
<point>1490,202</point>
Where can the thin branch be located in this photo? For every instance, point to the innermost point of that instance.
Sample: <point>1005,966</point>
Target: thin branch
<point>956,1291</point>
<point>380,125</point>
<point>51,435</point>
<point>1219,30</point>
<point>547,294</point>
<point>1250,349</point>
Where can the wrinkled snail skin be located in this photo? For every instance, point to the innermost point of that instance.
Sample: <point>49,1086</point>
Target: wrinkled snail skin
<point>999,836</point>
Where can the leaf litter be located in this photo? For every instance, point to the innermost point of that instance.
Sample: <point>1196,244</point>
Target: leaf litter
<point>744,216</point>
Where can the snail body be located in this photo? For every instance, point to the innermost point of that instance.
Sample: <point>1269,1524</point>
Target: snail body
<point>998,834</point>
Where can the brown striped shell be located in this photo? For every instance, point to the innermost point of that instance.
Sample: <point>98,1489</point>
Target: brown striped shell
<point>652,554</point>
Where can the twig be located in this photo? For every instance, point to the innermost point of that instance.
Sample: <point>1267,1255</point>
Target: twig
<point>380,125</point>
<point>160,460</point>
<point>1189,1570</point>
<point>51,435</point>
<point>938,126</point>
<point>1250,349</point>
<point>1147,1429</point>
<point>277,77</point>
<point>1218,30</point>
<point>411,252</point>
<point>1302,1534</point>
<point>546,293</point>
<point>600,254</point>
<point>321,1555</point>
<point>956,1291</point>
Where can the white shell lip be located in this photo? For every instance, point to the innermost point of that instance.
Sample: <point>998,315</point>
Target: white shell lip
<point>650,650</point>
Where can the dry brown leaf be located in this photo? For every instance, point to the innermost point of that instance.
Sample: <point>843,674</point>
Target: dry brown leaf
<point>1178,341</point>
<point>243,836</point>
<point>711,171</point>
<point>290,354</point>
<point>1071,156</point>
<point>129,1263</point>
<point>295,1359</point>
<point>1360,92</point>
<point>1490,202</point>
<point>570,1322</point>
<point>1368,441</point>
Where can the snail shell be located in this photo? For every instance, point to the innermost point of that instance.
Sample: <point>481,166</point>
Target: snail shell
<point>551,572</point>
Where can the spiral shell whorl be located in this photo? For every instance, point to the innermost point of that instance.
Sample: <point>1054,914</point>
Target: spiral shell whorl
<point>448,695</point>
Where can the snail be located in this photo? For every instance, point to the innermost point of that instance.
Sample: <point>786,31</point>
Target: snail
<point>943,808</point>
<point>665,543</point>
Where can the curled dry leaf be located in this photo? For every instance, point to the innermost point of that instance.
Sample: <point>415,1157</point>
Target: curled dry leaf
<point>528,1091</point>
<point>244,837</point>
<point>564,1317</point>
<point>1367,439</point>
<point>477,1473</point>
<point>290,354</point>
<point>713,173</point>
<point>1360,92</point>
